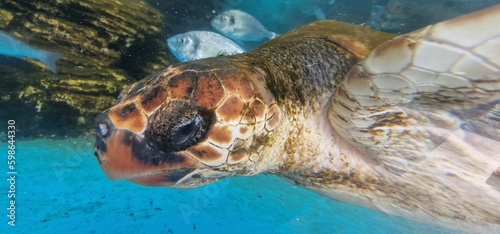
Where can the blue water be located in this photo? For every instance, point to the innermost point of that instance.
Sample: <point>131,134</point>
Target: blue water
<point>61,189</point>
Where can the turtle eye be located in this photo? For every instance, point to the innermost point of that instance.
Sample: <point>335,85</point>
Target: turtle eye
<point>178,126</point>
<point>232,20</point>
<point>186,132</point>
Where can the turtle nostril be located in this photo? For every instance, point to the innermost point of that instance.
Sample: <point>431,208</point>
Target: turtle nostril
<point>103,129</point>
<point>103,125</point>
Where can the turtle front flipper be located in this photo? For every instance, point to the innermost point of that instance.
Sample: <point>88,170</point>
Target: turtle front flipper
<point>426,106</point>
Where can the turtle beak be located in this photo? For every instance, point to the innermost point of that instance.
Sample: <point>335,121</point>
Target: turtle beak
<point>123,154</point>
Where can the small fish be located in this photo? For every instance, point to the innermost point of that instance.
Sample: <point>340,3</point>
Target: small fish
<point>10,46</point>
<point>314,10</point>
<point>381,18</point>
<point>201,44</point>
<point>377,12</point>
<point>241,26</point>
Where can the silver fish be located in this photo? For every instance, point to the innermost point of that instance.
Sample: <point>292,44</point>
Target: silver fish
<point>381,18</point>
<point>10,46</point>
<point>195,45</point>
<point>392,16</point>
<point>314,10</point>
<point>241,26</point>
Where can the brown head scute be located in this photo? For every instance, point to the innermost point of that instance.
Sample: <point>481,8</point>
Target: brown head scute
<point>181,86</point>
<point>210,155</point>
<point>209,91</point>
<point>152,99</point>
<point>188,118</point>
<point>258,109</point>
<point>127,115</point>
<point>245,90</point>
<point>222,135</point>
<point>231,110</point>
<point>273,117</point>
<point>238,156</point>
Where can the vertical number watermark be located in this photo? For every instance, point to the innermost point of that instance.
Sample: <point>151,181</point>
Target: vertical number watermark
<point>11,171</point>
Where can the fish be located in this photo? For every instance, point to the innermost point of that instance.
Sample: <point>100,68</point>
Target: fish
<point>241,26</point>
<point>381,18</point>
<point>10,46</point>
<point>392,16</point>
<point>314,10</point>
<point>196,45</point>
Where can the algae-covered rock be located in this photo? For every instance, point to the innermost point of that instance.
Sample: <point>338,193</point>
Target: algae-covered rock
<point>105,45</point>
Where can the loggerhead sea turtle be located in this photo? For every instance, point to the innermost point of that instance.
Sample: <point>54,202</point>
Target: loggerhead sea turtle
<point>411,129</point>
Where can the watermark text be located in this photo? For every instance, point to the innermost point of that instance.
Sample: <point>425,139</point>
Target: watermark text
<point>11,172</point>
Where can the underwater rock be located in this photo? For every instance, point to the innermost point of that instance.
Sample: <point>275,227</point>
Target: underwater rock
<point>105,45</point>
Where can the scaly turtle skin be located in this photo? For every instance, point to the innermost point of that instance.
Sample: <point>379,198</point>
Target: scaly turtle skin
<point>409,129</point>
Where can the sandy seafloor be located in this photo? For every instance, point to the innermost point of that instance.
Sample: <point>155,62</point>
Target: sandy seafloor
<point>61,189</point>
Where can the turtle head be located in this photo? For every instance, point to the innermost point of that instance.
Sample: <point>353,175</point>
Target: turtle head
<point>190,125</point>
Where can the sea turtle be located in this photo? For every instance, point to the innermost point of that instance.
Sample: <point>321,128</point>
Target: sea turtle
<point>408,125</point>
